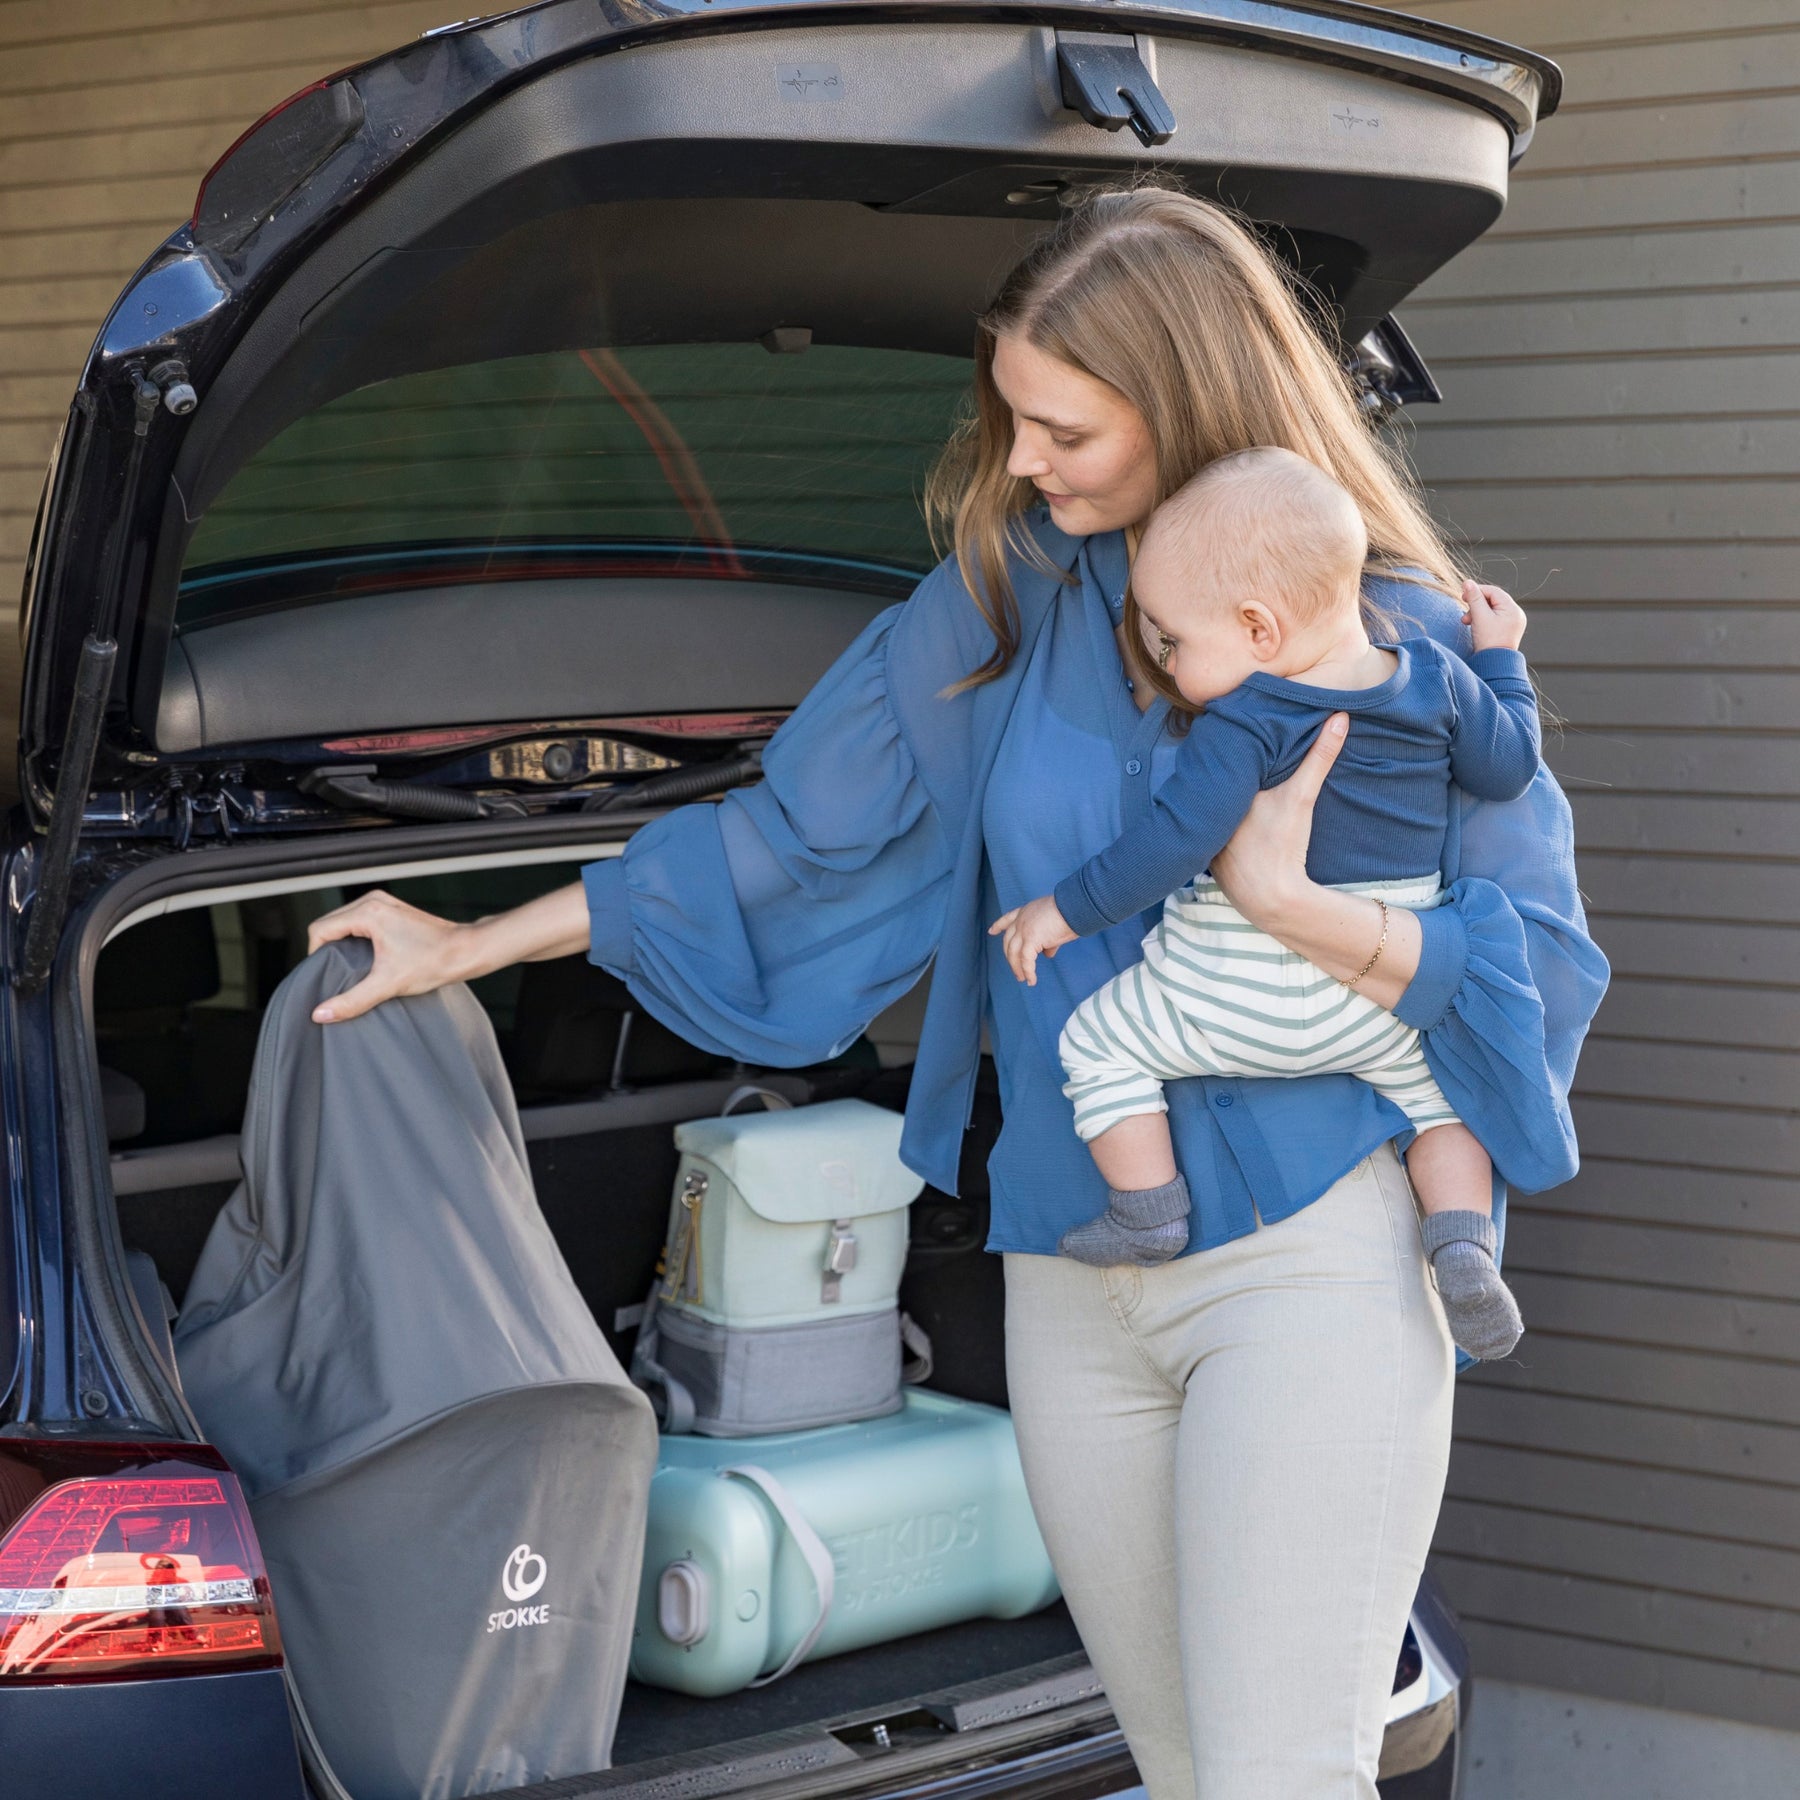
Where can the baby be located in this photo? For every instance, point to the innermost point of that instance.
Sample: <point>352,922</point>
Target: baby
<point>1249,582</point>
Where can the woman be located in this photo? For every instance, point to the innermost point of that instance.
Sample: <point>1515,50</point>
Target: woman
<point>1236,1458</point>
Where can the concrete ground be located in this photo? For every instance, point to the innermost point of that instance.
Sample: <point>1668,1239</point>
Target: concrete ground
<point>1528,1743</point>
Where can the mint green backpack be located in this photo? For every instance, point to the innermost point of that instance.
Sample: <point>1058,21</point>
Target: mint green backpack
<point>776,1305</point>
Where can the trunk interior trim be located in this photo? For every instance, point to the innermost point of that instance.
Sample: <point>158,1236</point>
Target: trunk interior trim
<point>189,899</point>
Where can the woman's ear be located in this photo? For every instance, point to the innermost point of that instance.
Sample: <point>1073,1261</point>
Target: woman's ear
<point>1262,630</point>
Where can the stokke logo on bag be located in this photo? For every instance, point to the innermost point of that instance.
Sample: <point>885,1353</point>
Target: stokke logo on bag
<point>521,1575</point>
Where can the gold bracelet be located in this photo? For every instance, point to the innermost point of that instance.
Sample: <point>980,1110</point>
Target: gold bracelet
<point>1381,946</point>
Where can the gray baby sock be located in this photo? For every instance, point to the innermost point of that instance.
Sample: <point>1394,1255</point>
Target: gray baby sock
<point>1483,1315</point>
<point>1140,1225</point>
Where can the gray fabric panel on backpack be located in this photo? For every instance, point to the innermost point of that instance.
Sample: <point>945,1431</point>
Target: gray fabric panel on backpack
<point>747,1379</point>
<point>384,1339</point>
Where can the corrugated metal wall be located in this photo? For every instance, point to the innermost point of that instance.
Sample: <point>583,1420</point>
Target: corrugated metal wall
<point>1621,359</point>
<point>110,113</point>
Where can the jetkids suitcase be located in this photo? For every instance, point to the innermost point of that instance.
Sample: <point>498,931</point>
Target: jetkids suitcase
<point>767,1552</point>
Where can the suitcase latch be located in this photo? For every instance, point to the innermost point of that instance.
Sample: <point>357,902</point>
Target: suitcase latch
<point>840,1259</point>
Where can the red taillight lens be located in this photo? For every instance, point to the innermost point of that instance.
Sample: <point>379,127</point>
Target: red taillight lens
<point>143,1563</point>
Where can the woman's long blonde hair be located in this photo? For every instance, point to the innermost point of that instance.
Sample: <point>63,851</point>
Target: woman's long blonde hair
<point>1171,301</point>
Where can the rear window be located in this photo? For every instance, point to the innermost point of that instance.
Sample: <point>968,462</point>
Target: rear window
<point>726,458</point>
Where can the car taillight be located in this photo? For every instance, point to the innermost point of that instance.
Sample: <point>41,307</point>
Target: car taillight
<point>128,1560</point>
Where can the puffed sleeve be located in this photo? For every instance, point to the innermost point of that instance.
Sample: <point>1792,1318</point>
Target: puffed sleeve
<point>1508,979</point>
<point>773,925</point>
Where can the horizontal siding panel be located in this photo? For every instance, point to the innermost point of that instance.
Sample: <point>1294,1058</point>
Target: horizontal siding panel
<point>1637,1436</point>
<point>1755,1636</point>
<point>1691,700</point>
<point>1590,1665</point>
<point>1497,275</point>
<point>1645,448</point>
<point>1673,950</point>
<point>1669,389</point>
<point>1768,1080</point>
<point>49,302</point>
<point>1564,634</point>
<point>1703,827</point>
<point>1609,325</point>
<point>1675,1562</point>
<point>1624,1312</point>
<point>1554,569</point>
<point>1696,1012</point>
<point>1628,199</point>
<point>116,102</point>
<point>175,148</point>
<point>1674,763</point>
<point>1687,888</point>
<point>1554,26</point>
<point>1715,1199</point>
<point>33,398</point>
<point>159,203</point>
<point>1763,126</point>
<point>220,46</point>
<point>1689,1136</point>
<point>1608,512</point>
<point>1748,1512</point>
<point>1611,71</point>
<point>1723,1387</point>
<point>38,21</point>
<point>1712,1262</point>
<point>114,252</point>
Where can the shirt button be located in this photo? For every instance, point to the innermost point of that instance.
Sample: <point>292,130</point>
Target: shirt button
<point>1130,685</point>
<point>1134,767</point>
<point>1221,1099</point>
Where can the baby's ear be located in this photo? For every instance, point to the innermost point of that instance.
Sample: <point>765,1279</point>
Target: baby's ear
<point>1262,626</point>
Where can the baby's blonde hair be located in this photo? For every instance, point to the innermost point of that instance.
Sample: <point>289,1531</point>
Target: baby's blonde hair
<point>1266,524</point>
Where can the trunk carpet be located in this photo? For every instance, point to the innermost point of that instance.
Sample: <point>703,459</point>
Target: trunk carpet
<point>657,1723</point>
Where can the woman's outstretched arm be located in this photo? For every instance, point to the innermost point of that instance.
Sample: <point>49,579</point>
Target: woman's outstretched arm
<point>417,951</point>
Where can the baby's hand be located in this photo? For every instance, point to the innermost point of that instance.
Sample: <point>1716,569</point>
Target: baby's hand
<point>1033,930</point>
<point>1494,616</point>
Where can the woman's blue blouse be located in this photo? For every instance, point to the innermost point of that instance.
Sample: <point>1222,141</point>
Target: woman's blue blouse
<point>774,925</point>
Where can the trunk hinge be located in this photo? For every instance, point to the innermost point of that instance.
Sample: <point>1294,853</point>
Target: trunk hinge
<point>165,385</point>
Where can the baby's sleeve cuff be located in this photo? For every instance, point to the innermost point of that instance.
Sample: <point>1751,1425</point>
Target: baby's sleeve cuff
<point>1079,912</point>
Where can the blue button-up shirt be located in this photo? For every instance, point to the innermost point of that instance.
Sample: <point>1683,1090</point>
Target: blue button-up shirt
<point>894,823</point>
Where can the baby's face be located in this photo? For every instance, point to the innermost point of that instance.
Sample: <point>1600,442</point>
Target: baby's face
<point>1199,639</point>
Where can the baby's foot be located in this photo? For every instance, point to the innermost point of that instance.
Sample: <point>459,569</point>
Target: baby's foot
<point>1145,1226</point>
<point>1482,1313</point>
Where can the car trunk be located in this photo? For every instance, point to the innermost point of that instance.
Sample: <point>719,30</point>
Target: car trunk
<point>554,426</point>
<point>177,994</point>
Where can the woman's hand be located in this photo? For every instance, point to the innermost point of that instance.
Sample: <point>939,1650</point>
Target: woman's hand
<point>416,952</point>
<point>1263,867</point>
<point>1263,872</point>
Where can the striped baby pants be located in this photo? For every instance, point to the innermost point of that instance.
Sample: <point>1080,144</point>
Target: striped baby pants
<point>1216,996</point>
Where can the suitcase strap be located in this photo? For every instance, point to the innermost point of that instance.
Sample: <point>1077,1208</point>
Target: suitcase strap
<point>810,1545</point>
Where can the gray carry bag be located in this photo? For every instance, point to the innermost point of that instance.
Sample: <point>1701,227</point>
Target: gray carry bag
<point>447,1468</point>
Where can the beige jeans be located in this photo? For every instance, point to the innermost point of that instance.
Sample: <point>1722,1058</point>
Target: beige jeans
<point>1237,1460</point>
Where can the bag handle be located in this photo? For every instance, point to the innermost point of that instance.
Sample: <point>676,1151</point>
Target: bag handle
<point>810,1545</point>
<point>919,1363</point>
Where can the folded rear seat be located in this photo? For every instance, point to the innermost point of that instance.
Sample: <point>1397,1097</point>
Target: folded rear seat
<point>447,1467</point>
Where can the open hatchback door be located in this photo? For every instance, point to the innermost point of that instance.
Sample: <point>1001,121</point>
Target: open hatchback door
<point>566,379</point>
